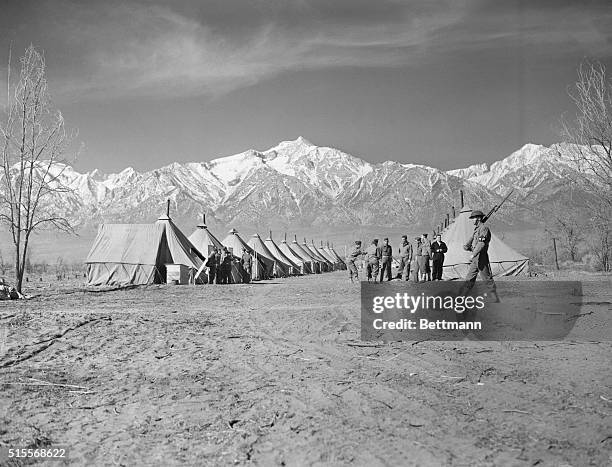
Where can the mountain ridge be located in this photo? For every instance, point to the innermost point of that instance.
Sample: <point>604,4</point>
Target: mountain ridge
<point>299,183</point>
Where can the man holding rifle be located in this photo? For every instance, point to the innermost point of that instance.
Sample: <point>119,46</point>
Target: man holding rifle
<point>479,246</point>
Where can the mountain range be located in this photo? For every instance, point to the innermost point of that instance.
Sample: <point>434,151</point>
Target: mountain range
<point>297,184</point>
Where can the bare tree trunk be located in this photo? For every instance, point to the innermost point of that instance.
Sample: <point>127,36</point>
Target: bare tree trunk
<point>555,250</point>
<point>34,142</point>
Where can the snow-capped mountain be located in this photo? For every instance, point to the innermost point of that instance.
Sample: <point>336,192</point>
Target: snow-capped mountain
<point>297,183</point>
<point>539,175</point>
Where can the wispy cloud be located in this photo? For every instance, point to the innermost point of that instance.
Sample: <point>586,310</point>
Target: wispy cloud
<point>150,49</point>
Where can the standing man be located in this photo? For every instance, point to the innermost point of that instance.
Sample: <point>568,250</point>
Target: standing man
<point>373,256</point>
<point>218,265</point>
<point>246,261</point>
<point>405,255</point>
<point>416,262</point>
<point>351,258</point>
<point>425,257</point>
<point>212,265</point>
<point>225,267</point>
<point>386,255</point>
<point>438,248</point>
<point>479,246</point>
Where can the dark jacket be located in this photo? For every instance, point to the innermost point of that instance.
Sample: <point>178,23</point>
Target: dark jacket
<point>438,250</point>
<point>386,250</point>
<point>226,260</point>
<point>212,261</point>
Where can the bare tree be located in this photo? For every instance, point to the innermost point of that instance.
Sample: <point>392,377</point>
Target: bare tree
<point>34,144</point>
<point>564,221</point>
<point>590,146</point>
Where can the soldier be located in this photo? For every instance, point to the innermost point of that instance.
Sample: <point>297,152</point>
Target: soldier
<point>246,261</point>
<point>212,265</point>
<point>218,265</point>
<point>405,255</point>
<point>415,261</point>
<point>386,255</point>
<point>425,257</point>
<point>438,249</point>
<point>351,258</point>
<point>225,266</point>
<point>373,254</point>
<point>479,246</point>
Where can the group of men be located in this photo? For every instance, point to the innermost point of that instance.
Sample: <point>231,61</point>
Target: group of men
<point>219,264</point>
<point>413,258</point>
<point>416,257</point>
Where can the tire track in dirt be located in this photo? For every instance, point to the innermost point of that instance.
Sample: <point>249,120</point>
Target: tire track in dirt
<point>262,374</point>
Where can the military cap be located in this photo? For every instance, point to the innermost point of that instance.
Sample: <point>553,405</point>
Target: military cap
<point>357,242</point>
<point>476,214</point>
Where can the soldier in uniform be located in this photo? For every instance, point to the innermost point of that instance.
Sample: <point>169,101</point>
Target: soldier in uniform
<point>246,261</point>
<point>373,255</point>
<point>415,262</point>
<point>212,265</point>
<point>218,265</point>
<point>425,257</point>
<point>225,267</point>
<point>438,248</point>
<point>351,258</point>
<point>479,246</point>
<point>386,254</point>
<point>405,255</point>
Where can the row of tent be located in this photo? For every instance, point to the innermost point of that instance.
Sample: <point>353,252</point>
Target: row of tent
<point>138,254</point>
<point>124,254</point>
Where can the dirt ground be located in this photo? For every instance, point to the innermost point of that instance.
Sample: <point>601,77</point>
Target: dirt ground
<point>274,373</point>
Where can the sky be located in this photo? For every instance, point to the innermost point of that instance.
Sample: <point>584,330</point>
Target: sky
<point>445,83</point>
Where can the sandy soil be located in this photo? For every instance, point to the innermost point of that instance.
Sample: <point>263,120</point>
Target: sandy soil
<point>275,374</point>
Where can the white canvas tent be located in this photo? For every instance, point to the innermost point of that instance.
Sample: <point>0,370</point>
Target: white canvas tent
<point>280,268</point>
<point>137,254</point>
<point>280,255</point>
<point>504,260</point>
<point>205,241</point>
<point>326,266</point>
<point>330,256</point>
<point>324,254</point>
<point>306,266</point>
<point>262,267</point>
<point>331,253</point>
<point>306,256</point>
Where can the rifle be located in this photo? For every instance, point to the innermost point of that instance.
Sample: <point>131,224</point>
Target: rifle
<point>495,208</point>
